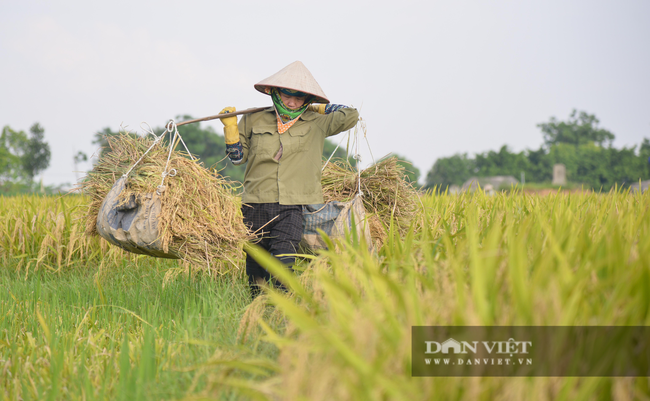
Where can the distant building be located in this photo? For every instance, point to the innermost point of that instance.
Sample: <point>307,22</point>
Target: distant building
<point>497,182</point>
<point>559,174</point>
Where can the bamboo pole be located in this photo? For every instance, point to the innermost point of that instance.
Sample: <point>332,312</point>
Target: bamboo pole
<point>236,113</point>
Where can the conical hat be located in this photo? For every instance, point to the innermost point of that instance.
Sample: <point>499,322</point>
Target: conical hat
<point>294,76</point>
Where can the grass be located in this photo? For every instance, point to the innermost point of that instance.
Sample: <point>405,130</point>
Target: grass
<point>82,320</point>
<point>508,259</point>
<point>115,333</point>
<point>108,325</point>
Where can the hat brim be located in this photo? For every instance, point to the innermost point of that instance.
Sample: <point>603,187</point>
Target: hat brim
<point>296,77</point>
<point>317,99</point>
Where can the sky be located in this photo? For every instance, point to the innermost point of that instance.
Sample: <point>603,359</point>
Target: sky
<point>430,78</point>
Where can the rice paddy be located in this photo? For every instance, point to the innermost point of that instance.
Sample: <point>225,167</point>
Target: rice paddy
<point>81,320</point>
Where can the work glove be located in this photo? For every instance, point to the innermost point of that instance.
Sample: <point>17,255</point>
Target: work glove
<point>318,108</point>
<point>230,130</point>
<point>326,108</point>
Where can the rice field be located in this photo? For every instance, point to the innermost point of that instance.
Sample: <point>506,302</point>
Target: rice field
<point>81,320</point>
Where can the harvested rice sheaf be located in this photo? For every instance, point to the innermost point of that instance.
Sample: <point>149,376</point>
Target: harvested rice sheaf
<point>386,193</point>
<point>200,219</point>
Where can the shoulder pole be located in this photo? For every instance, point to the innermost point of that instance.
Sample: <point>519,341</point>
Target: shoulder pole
<point>236,113</point>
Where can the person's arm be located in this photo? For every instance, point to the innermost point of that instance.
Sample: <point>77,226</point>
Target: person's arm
<point>244,138</point>
<point>327,108</point>
<point>234,146</point>
<point>338,117</point>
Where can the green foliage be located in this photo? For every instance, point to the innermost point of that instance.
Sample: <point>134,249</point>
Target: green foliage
<point>5,157</point>
<point>22,157</point>
<point>449,171</point>
<point>600,168</point>
<point>577,143</point>
<point>502,162</point>
<point>12,188</point>
<point>80,157</point>
<point>340,153</point>
<point>581,128</point>
<point>7,160</point>
<point>540,166</point>
<point>12,144</point>
<point>36,156</point>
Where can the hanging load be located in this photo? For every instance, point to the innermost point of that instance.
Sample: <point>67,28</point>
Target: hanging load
<point>367,202</point>
<point>132,223</point>
<point>334,218</point>
<point>387,195</point>
<point>152,199</point>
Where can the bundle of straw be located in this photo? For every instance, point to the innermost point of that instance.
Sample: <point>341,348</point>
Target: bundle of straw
<point>200,218</point>
<point>386,193</point>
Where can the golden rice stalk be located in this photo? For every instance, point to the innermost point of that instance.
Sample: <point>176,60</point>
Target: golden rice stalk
<point>200,220</point>
<point>386,192</point>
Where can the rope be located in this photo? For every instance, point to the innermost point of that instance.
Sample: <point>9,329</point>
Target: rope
<point>159,188</point>
<point>172,144</point>
<point>337,148</point>
<point>172,129</point>
<point>356,156</point>
<point>171,124</point>
<point>158,138</point>
<point>365,136</point>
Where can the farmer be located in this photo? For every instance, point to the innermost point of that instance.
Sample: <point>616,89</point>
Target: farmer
<point>283,147</point>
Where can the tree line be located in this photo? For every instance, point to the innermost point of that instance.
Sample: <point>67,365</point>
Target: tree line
<point>23,156</point>
<point>579,143</point>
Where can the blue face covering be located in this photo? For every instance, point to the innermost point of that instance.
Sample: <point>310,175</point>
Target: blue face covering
<point>291,92</point>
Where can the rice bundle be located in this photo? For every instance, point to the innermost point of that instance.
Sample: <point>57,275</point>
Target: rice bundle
<point>200,218</point>
<point>386,193</point>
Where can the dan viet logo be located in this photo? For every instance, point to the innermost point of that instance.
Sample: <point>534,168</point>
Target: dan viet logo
<point>530,351</point>
<point>508,352</point>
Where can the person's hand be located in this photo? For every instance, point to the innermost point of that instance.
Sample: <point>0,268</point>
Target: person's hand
<point>318,108</point>
<point>326,108</point>
<point>228,120</point>
<point>230,130</point>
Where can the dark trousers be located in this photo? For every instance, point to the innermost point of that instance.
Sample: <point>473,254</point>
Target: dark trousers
<point>278,229</point>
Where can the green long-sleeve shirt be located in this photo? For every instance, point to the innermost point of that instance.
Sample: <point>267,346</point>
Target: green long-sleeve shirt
<point>294,179</point>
